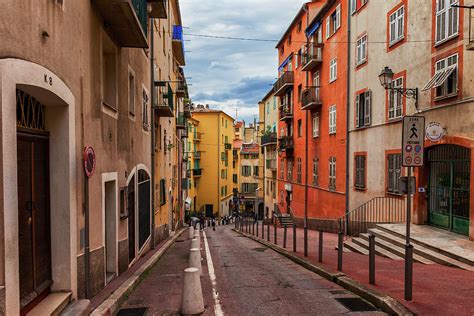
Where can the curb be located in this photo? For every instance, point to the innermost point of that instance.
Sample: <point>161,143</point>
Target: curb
<point>384,302</point>
<point>110,305</point>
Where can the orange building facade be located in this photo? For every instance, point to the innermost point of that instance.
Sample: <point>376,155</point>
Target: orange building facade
<point>312,88</point>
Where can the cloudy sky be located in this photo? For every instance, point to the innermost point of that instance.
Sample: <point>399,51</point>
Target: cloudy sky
<point>231,73</point>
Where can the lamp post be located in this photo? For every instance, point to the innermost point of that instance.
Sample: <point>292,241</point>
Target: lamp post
<point>386,79</point>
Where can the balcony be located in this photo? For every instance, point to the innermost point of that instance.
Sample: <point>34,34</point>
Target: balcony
<point>197,136</point>
<point>181,89</point>
<point>228,146</point>
<point>181,121</point>
<point>286,112</point>
<point>197,155</point>
<point>269,139</point>
<point>312,57</point>
<point>188,173</point>
<point>197,172</point>
<point>311,98</point>
<point>178,44</point>
<point>164,99</point>
<point>127,20</point>
<point>185,157</point>
<point>271,164</point>
<point>158,9</point>
<point>184,133</point>
<point>286,144</point>
<point>283,83</point>
<point>187,111</point>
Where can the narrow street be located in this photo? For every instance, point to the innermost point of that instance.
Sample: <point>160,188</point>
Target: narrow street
<point>250,280</point>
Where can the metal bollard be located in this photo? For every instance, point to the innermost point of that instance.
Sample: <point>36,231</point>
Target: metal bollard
<point>408,272</point>
<point>320,253</point>
<point>253,228</point>
<point>268,232</point>
<point>372,259</point>
<point>284,236</point>
<point>275,234</point>
<point>294,237</point>
<point>257,229</point>
<point>235,225</point>
<point>305,241</point>
<point>340,236</point>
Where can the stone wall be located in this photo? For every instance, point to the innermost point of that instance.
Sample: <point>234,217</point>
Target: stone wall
<point>97,274</point>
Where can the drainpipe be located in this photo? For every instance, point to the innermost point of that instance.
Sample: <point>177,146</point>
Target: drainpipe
<point>305,224</point>
<point>152,78</point>
<point>348,104</point>
<point>219,161</point>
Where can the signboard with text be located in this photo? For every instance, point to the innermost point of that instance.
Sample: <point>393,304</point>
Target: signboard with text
<point>413,141</point>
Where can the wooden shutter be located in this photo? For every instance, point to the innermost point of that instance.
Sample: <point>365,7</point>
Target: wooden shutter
<point>328,27</point>
<point>357,109</point>
<point>338,17</point>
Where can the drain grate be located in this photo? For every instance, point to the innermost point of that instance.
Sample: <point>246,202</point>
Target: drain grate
<point>355,304</point>
<point>135,311</point>
<point>179,240</point>
<point>338,292</point>
<point>259,249</point>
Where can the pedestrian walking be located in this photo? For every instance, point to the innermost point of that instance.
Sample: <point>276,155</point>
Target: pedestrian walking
<point>202,222</point>
<point>213,223</point>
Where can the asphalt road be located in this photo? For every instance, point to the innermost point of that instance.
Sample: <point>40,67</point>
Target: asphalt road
<point>249,279</point>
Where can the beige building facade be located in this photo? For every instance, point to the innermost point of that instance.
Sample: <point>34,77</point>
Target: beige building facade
<point>76,74</point>
<point>426,46</point>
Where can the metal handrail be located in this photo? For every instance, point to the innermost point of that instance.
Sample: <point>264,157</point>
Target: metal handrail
<point>379,210</point>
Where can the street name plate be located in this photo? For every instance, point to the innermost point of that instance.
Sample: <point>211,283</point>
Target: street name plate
<point>413,141</point>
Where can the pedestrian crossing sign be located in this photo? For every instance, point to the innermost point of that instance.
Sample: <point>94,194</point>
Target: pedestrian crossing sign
<point>413,141</point>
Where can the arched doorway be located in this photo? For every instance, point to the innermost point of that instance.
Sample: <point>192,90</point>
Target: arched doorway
<point>449,187</point>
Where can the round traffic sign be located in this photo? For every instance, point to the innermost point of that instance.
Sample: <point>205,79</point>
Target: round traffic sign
<point>89,161</point>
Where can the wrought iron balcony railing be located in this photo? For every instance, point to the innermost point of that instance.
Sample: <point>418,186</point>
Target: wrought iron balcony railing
<point>286,143</point>
<point>312,57</point>
<point>181,121</point>
<point>164,99</point>
<point>197,172</point>
<point>286,113</point>
<point>269,139</point>
<point>311,98</point>
<point>285,81</point>
<point>228,146</point>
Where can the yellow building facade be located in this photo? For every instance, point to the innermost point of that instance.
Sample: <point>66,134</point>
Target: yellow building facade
<point>214,168</point>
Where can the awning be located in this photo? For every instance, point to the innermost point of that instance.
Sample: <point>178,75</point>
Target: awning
<point>439,77</point>
<point>310,31</point>
<point>285,62</point>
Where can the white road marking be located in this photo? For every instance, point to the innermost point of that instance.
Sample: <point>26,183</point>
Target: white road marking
<point>212,275</point>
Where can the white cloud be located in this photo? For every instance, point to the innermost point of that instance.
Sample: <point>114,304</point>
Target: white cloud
<point>217,66</point>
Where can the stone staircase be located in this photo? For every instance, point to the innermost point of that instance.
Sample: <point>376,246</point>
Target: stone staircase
<point>390,243</point>
<point>285,219</point>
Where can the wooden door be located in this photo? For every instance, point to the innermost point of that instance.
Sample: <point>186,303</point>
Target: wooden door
<point>33,218</point>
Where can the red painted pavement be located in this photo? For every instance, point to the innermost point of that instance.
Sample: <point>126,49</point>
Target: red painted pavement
<point>437,289</point>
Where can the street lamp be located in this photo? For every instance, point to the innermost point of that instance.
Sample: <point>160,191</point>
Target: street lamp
<point>386,80</point>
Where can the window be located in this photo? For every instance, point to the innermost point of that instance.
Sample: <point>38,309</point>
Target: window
<point>395,105</point>
<point>145,115</point>
<point>109,73</point>
<point>332,173</point>
<point>131,93</point>
<point>361,56</point>
<point>298,170</point>
<point>246,171</point>
<point>300,26</point>
<point>332,119</point>
<point>290,171</point>
<point>315,172</point>
<point>363,109</point>
<point>300,128</point>
<point>448,83</point>
<point>447,20</point>
<point>289,40</point>
<point>394,165</point>
<point>445,79</point>
<point>333,70</point>
<point>255,171</point>
<point>360,162</point>
<point>282,169</point>
<point>397,25</point>
<point>315,125</point>
<point>300,92</point>
<point>249,187</point>
<point>333,22</point>
<point>234,178</point>
<point>353,6</point>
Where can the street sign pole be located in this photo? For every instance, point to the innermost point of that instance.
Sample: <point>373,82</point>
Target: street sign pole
<point>412,156</point>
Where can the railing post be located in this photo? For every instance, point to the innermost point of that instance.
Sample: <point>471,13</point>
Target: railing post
<point>340,237</point>
<point>294,237</point>
<point>275,234</point>
<point>372,259</point>
<point>305,241</point>
<point>257,228</point>
<point>284,236</point>
<point>268,232</point>
<point>320,253</point>
<point>253,228</point>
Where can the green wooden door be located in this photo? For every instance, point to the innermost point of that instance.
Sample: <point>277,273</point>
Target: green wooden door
<point>449,188</point>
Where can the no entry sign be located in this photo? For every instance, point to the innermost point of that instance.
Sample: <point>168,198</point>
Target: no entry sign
<point>412,141</point>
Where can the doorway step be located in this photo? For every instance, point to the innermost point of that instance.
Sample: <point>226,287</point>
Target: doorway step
<point>53,304</point>
<point>431,245</point>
